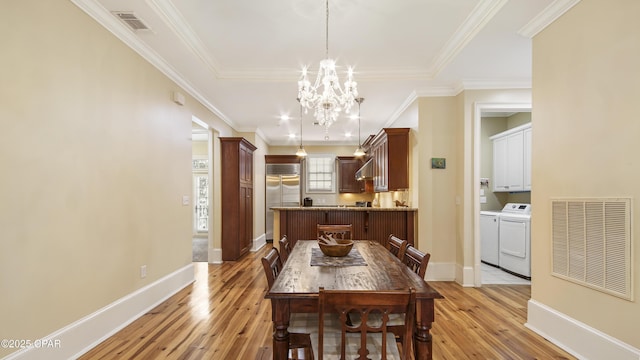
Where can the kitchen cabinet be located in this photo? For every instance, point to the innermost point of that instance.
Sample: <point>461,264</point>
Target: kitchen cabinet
<point>236,155</point>
<point>390,151</point>
<point>282,159</point>
<point>347,167</point>
<point>512,160</point>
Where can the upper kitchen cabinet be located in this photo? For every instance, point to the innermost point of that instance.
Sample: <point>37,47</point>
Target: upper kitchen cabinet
<point>347,167</point>
<point>512,159</point>
<point>390,151</point>
<point>237,196</point>
<point>282,159</point>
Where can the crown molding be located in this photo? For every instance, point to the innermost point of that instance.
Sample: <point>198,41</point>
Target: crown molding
<point>546,17</point>
<point>401,109</point>
<point>475,22</point>
<point>177,23</point>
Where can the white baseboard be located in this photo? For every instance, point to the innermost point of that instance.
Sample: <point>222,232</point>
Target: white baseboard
<point>441,272</point>
<point>215,256</point>
<point>468,277</point>
<point>576,338</point>
<point>81,336</point>
<point>258,243</point>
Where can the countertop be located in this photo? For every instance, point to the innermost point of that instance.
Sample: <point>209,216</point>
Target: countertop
<point>342,208</point>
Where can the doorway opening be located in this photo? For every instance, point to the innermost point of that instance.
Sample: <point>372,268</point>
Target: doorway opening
<point>200,168</point>
<point>491,119</point>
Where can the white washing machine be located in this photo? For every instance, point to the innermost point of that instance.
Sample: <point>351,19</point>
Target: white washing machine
<point>489,237</point>
<point>515,239</point>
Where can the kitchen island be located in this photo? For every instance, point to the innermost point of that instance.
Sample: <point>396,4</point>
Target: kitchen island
<point>369,223</point>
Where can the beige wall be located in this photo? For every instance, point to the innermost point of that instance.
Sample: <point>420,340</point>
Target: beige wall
<point>585,141</point>
<point>436,188</point>
<point>95,159</point>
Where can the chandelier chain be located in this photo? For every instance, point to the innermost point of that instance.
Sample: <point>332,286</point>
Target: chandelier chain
<point>326,40</point>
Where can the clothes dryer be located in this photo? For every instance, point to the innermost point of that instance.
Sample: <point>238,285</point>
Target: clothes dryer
<point>515,239</point>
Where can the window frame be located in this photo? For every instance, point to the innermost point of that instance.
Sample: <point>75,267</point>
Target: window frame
<point>308,167</point>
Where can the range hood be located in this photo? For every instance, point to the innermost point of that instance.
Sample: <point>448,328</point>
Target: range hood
<point>366,171</point>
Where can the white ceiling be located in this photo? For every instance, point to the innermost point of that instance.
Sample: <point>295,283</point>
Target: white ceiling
<point>242,58</point>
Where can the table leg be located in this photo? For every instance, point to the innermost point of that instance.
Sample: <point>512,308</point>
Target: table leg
<point>280,314</point>
<point>424,316</point>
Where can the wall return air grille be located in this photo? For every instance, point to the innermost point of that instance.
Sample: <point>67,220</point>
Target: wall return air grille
<point>592,243</point>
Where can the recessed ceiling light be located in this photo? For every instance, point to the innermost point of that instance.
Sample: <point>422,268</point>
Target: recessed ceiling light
<point>292,136</point>
<point>347,134</point>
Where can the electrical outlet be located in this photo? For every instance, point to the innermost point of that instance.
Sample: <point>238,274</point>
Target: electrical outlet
<point>143,271</point>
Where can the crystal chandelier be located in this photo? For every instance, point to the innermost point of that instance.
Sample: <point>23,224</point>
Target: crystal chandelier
<point>326,97</point>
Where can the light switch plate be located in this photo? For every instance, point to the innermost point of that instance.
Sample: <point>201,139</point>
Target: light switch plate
<point>185,200</point>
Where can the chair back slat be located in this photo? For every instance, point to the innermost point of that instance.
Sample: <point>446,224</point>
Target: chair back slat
<point>416,260</point>
<point>285,248</point>
<point>336,231</point>
<point>272,266</point>
<point>397,246</point>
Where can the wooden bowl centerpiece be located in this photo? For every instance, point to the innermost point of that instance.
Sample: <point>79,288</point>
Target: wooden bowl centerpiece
<point>334,247</point>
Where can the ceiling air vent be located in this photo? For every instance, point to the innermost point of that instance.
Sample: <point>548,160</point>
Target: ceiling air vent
<point>133,21</point>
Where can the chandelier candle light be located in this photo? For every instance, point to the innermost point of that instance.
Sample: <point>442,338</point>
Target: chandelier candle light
<point>326,96</point>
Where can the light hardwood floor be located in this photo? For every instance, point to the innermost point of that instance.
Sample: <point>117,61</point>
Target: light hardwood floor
<point>223,315</point>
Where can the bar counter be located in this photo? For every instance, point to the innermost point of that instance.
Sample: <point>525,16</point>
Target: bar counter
<point>369,223</point>
<point>343,208</point>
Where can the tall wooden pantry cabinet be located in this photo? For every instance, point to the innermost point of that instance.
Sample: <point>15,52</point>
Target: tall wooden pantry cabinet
<point>237,196</point>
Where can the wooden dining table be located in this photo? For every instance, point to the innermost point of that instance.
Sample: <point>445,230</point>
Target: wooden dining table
<point>295,290</point>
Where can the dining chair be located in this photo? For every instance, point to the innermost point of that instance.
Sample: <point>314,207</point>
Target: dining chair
<point>299,343</point>
<point>369,335</point>
<point>285,248</point>
<point>272,266</point>
<point>336,231</point>
<point>397,246</point>
<point>416,260</point>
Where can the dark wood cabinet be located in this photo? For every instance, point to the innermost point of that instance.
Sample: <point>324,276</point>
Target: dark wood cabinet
<point>347,167</point>
<point>236,156</point>
<point>282,159</point>
<point>390,153</point>
<point>368,224</point>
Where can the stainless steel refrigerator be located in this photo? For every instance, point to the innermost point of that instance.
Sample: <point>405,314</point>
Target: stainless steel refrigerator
<point>283,189</point>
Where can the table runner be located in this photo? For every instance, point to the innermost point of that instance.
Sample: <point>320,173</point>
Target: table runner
<point>353,258</point>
